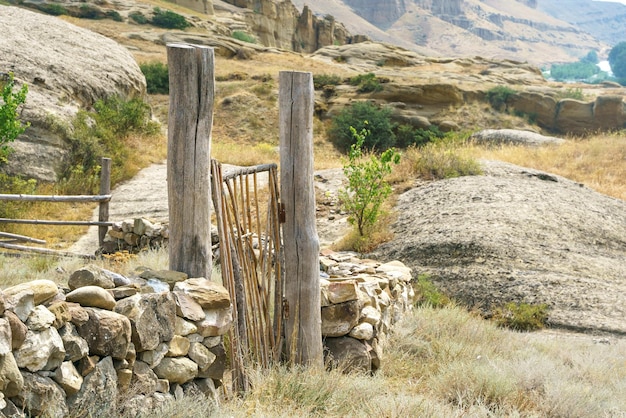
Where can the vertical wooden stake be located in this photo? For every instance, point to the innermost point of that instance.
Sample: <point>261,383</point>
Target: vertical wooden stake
<point>192,92</point>
<point>303,330</point>
<point>105,188</point>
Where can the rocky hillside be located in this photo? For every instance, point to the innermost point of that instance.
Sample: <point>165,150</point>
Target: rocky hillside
<point>520,30</point>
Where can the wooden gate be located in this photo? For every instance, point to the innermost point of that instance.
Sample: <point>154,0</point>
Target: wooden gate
<point>247,210</point>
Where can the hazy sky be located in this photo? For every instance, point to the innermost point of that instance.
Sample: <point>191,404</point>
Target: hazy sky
<point>614,1</point>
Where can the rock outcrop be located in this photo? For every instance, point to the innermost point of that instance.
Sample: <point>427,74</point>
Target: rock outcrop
<point>66,69</point>
<point>518,235</point>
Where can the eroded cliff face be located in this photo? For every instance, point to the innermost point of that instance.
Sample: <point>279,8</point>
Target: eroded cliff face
<point>280,24</point>
<point>381,13</point>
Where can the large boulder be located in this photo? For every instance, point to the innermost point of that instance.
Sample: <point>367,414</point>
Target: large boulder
<point>66,68</point>
<point>518,235</point>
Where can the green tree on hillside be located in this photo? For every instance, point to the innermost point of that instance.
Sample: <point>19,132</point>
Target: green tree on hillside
<point>10,125</point>
<point>617,60</point>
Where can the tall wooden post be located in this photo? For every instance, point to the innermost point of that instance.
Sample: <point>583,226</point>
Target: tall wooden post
<point>105,188</point>
<point>192,92</point>
<point>303,329</point>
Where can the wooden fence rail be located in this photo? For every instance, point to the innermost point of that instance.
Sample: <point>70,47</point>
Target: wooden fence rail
<point>103,213</point>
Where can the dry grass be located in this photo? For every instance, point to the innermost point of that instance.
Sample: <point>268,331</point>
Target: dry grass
<point>598,161</point>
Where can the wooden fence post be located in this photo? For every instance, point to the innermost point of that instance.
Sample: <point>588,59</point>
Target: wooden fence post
<point>105,188</point>
<point>303,330</point>
<point>192,92</point>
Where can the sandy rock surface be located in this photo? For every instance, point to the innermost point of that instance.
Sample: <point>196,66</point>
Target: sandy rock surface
<point>522,235</point>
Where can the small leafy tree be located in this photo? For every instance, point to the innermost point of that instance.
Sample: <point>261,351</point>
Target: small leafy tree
<point>367,188</point>
<point>10,125</point>
<point>617,60</point>
<point>168,19</point>
<point>379,126</point>
<point>157,77</point>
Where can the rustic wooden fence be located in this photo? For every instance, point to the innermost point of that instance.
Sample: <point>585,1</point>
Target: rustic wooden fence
<point>8,240</point>
<point>293,313</point>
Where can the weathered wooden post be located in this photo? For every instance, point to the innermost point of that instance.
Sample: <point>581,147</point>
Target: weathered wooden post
<point>192,92</point>
<point>303,330</point>
<point>105,188</point>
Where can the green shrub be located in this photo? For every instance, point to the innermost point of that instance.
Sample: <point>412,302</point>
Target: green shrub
<point>157,77</point>
<point>573,71</point>
<point>10,124</point>
<point>498,96</point>
<point>367,83</point>
<point>522,316</point>
<point>321,80</point>
<point>427,294</point>
<point>168,19</point>
<point>367,189</point>
<point>87,11</point>
<point>138,17</point>
<point>52,9</point>
<point>407,135</point>
<point>114,15</point>
<point>101,133</point>
<point>363,115</point>
<point>243,36</point>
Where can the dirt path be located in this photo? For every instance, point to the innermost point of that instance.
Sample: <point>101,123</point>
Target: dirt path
<point>145,196</point>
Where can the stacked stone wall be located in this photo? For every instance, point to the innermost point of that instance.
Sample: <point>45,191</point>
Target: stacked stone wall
<point>74,351</point>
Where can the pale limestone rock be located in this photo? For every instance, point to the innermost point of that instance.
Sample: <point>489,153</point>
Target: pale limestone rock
<point>363,331</point>
<point>216,322</point>
<point>154,357</point>
<point>184,328</point>
<point>207,387</point>
<point>342,291</point>
<point>6,340</point>
<point>75,346</point>
<point>178,346</point>
<point>62,78</point>
<point>1,302</point>
<point>125,291</point>
<point>107,333</point>
<point>42,350</point>
<point>208,294</point>
<point>98,392</point>
<point>40,318</point>
<point>144,380</point>
<point>90,276</point>
<point>42,290</point>
<point>162,386</point>
<point>11,380</point>
<point>195,338</point>
<point>217,368</point>
<point>152,316</point>
<point>87,364</point>
<point>210,342</point>
<point>347,354</point>
<point>370,315</point>
<point>338,320</point>
<point>61,313</point>
<point>18,330</point>
<point>3,402</point>
<point>42,396</point>
<point>92,296</point>
<point>124,378</point>
<point>68,378</point>
<point>324,301</point>
<point>21,303</point>
<point>187,307</point>
<point>201,355</point>
<point>170,277</point>
<point>396,269</point>
<point>177,369</point>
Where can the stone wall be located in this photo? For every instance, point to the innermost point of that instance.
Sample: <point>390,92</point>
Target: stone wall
<point>80,349</point>
<point>361,300</point>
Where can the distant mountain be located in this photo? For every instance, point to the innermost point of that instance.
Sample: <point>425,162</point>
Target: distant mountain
<point>523,30</point>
